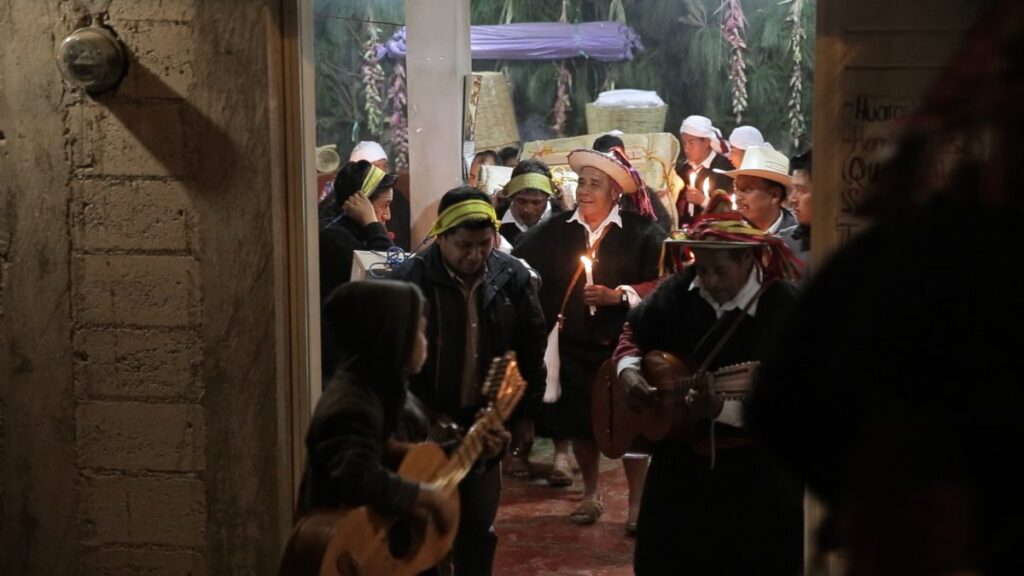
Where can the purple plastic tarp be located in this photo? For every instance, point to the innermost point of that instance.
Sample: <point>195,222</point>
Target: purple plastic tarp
<point>602,41</point>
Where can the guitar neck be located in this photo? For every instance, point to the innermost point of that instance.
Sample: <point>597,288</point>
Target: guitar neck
<point>735,381</point>
<point>466,455</point>
<point>731,382</point>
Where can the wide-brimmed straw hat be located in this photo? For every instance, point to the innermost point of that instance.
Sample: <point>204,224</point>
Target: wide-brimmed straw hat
<point>763,162</point>
<point>607,163</point>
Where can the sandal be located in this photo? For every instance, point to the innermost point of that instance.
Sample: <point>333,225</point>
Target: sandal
<point>560,475</point>
<point>516,466</point>
<point>587,512</point>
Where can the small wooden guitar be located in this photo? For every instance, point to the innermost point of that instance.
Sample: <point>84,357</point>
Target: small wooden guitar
<point>619,429</point>
<point>360,542</point>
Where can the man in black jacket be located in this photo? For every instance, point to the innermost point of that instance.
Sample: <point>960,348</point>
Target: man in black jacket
<point>718,504</point>
<point>481,303</point>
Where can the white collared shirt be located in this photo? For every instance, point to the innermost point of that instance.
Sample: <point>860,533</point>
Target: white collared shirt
<point>705,164</point>
<point>614,217</point>
<point>774,228</point>
<point>510,218</point>
<point>743,297</point>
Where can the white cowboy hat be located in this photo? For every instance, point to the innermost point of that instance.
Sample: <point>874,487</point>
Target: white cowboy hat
<point>763,162</point>
<point>583,158</point>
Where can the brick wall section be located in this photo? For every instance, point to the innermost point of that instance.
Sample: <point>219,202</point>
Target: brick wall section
<point>140,430</point>
<point>141,266</point>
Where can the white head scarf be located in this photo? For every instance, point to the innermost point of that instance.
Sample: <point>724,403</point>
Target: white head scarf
<point>701,127</point>
<point>744,137</point>
<point>369,151</point>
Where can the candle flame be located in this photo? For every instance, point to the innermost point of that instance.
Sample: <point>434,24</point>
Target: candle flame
<point>734,201</point>
<point>587,263</point>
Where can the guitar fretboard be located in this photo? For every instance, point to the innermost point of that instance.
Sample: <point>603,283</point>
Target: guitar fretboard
<point>729,382</point>
<point>469,450</point>
<point>505,385</point>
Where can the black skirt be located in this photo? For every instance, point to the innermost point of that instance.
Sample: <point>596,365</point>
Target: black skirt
<point>570,417</point>
<point>743,517</point>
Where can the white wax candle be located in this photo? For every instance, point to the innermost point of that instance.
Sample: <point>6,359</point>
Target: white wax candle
<point>588,268</point>
<point>734,201</point>
<point>693,184</point>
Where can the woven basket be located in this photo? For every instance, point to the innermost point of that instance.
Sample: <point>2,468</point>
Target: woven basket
<point>630,120</point>
<point>495,117</point>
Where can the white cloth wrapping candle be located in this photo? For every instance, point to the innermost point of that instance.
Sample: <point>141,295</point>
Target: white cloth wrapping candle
<point>553,388</point>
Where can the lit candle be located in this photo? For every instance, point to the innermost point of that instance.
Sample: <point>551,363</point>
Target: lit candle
<point>706,184</point>
<point>693,184</point>
<point>734,201</point>
<point>588,267</point>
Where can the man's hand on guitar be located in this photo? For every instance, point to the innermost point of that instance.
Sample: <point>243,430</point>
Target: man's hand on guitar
<point>639,394</point>
<point>495,440</point>
<point>703,405</point>
<point>431,499</point>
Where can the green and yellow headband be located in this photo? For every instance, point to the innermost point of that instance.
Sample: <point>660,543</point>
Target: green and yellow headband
<point>373,179</point>
<point>463,212</point>
<point>529,181</point>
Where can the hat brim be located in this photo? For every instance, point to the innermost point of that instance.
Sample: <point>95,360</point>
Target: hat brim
<point>784,179</point>
<point>714,244</point>
<point>580,159</point>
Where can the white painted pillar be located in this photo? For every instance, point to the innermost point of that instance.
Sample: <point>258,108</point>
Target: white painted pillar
<point>437,61</point>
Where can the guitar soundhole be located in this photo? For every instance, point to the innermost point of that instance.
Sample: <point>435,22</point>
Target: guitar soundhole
<point>400,539</point>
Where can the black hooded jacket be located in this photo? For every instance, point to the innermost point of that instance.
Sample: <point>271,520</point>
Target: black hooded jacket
<point>375,325</point>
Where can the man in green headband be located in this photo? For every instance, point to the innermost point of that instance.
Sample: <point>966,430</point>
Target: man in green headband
<point>481,304</point>
<point>530,193</point>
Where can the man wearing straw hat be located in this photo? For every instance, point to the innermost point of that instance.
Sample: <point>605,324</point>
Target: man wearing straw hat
<point>704,150</point>
<point>760,184</point>
<point>481,304</point>
<point>585,307</point>
<point>717,504</point>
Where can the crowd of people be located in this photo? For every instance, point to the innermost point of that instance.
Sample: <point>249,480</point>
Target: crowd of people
<point>884,386</point>
<point>504,273</point>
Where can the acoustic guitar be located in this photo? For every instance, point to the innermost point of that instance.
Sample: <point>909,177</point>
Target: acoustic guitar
<point>360,542</point>
<point>618,429</point>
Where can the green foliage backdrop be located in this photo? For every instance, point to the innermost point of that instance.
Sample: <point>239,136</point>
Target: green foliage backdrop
<point>685,60</point>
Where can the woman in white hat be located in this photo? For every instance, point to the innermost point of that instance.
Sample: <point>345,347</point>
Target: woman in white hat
<point>585,311</point>
<point>704,149</point>
<point>374,153</point>
<point>741,138</point>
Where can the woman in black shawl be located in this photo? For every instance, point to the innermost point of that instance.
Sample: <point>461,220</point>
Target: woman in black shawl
<point>352,217</point>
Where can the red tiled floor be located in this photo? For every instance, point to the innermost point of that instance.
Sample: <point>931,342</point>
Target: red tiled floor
<point>536,537</point>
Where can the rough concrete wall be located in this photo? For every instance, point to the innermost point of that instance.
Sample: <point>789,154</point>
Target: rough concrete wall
<point>138,422</point>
